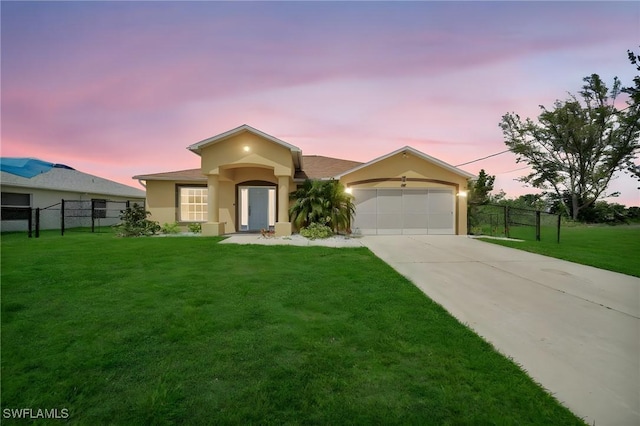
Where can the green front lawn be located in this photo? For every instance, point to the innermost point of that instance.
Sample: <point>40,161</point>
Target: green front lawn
<point>615,248</point>
<point>185,330</point>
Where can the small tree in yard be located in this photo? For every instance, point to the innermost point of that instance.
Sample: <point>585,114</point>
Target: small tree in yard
<point>134,222</point>
<point>577,146</point>
<point>480,188</point>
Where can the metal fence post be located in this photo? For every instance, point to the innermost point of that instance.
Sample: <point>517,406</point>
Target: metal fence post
<point>30,221</point>
<point>537,225</point>
<point>62,217</point>
<point>506,221</point>
<point>558,233</point>
<point>38,222</point>
<point>93,216</point>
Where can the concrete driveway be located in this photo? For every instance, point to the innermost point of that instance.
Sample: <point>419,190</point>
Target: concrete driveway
<point>575,329</point>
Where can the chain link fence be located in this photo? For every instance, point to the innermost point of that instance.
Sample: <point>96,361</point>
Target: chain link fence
<point>67,215</point>
<point>513,222</point>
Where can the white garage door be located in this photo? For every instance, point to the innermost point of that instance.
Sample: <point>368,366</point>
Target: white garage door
<point>404,211</point>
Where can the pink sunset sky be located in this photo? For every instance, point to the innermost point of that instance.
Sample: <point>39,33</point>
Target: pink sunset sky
<point>117,89</point>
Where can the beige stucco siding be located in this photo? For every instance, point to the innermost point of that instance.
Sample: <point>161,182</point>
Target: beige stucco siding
<point>230,153</point>
<point>228,206</point>
<point>398,166</point>
<point>262,163</point>
<point>161,199</point>
<point>418,173</point>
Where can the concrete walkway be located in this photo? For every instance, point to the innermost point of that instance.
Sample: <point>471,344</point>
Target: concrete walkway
<point>575,329</point>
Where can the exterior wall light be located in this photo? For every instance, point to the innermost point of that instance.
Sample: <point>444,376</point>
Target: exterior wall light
<point>462,194</point>
<point>246,148</point>
<point>348,190</point>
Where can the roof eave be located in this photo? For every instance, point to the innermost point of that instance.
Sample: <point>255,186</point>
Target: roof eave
<point>296,153</point>
<point>414,151</point>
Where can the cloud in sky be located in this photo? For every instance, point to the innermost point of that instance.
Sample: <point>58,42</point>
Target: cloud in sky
<point>121,88</point>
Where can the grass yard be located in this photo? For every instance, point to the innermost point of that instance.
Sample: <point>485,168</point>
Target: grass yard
<point>185,330</point>
<point>615,248</point>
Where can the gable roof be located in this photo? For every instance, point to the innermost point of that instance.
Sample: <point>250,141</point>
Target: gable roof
<point>296,152</point>
<point>315,167</point>
<point>70,180</point>
<point>411,151</point>
<point>320,167</point>
<point>180,175</point>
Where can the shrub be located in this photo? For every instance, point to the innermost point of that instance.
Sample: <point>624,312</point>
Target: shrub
<point>324,202</point>
<point>170,228</point>
<point>316,230</point>
<point>134,222</point>
<point>196,228</point>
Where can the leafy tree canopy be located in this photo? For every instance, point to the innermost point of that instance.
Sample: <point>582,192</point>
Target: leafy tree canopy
<point>480,188</point>
<point>578,145</point>
<point>634,104</point>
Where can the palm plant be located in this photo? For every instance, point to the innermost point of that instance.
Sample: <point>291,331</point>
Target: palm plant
<point>340,207</point>
<point>323,202</point>
<point>308,206</point>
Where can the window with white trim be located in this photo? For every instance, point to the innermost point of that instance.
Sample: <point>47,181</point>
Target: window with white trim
<point>193,204</point>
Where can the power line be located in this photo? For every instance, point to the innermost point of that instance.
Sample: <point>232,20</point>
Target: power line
<point>483,158</point>
<point>514,170</point>
<point>507,150</point>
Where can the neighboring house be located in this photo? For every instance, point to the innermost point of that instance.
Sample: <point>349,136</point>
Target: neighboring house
<point>246,176</point>
<point>28,182</point>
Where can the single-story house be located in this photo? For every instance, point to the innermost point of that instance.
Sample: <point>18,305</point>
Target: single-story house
<point>29,182</point>
<point>245,178</point>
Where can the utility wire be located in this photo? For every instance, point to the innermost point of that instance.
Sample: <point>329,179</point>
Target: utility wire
<point>514,170</point>
<point>505,151</point>
<point>483,158</point>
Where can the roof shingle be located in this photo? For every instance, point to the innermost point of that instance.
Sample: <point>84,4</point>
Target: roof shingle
<point>315,167</point>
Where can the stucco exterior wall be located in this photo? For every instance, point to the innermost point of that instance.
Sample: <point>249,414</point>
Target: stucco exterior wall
<point>227,159</point>
<point>161,200</point>
<point>398,166</point>
<point>230,153</point>
<point>228,206</point>
<point>412,167</point>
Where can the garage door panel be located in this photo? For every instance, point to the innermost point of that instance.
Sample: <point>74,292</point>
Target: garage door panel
<point>414,201</point>
<point>414,206</point>
<point>366,218</point>
<point>389,223</point>
<point>366,200</point>
<point>404,211</point>
<point>389,211</point>
<point>389,201</point>
<point>440,201</point>
<point>441,212</point>
<point>441,224</point>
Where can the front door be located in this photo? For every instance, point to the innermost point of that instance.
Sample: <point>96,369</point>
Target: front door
<point>258,209</point>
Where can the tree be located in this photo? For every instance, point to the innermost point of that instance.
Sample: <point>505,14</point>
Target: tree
<point>634,92</point>
<point>480,188</point>
<point>478,194</point>
<point>634,104</point>
<point>577,146</point>
<point>323,202</point>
